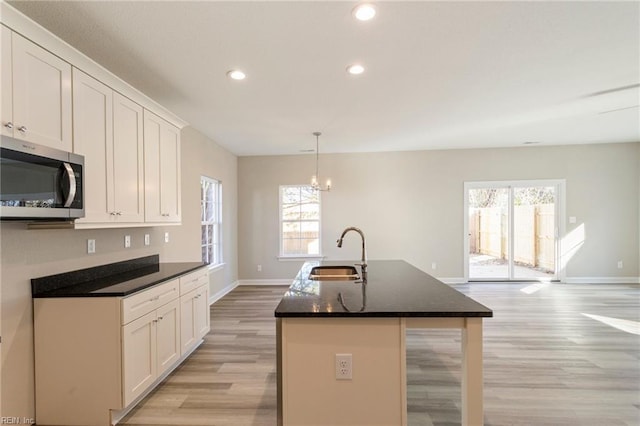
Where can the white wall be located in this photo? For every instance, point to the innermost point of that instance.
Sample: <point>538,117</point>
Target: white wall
<point>202,157</point>
<point>27,254</point>
<point>410,204</point>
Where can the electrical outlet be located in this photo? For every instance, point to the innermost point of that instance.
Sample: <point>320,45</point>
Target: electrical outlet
<point>620,265</point>
<point>344,367</point>
<point>91,246</point>
<point>166,237</point>
<point>127,241</point>
<point>147,239</point>
<point>259,268</point>
<point>434,265</point>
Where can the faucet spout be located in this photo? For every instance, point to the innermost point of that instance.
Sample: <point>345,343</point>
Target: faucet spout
<point>364,247</point>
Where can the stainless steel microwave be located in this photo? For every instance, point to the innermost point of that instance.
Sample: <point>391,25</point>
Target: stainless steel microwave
<point>39,183</point>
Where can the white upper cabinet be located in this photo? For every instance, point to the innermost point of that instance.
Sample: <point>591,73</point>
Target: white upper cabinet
<point>6,105</point>
<point>132,155</point>
<point>36,93</point>
<point>108,132</point>
<point>93,138</point>
<point>161,170</point>
<point>127,154</point>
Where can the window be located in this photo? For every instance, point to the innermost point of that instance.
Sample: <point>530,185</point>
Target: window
<point>299,221</point>
<point>211,218</point>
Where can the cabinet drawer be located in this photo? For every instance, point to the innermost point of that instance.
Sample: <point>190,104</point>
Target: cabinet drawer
<point>146,301</point>
<point>193,280</point>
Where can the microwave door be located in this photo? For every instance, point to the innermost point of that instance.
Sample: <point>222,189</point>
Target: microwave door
<point>31,187</point>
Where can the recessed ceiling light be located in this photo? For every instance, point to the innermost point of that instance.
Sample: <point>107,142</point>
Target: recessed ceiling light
<point>355,69</point>
<point>364,12</point>
<point>236,75</point>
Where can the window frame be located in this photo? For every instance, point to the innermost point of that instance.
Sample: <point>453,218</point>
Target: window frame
<point>217,221</point>
<point>282,255</point>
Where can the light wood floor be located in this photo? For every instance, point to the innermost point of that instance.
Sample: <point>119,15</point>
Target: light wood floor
<point>546,363</point>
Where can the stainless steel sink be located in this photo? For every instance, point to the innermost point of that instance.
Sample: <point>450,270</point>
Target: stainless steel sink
<point>334,273</point>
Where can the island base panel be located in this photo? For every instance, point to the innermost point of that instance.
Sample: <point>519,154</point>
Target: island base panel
<point>311,394</point>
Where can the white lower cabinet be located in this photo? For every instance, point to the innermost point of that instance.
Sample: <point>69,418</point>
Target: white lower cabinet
<point>194,309</point>
<point>194,320</point>
<point>150,346</point>
<point>96,356</point>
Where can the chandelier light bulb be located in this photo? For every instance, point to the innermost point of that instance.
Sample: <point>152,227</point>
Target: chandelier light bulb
<point>314,178</point>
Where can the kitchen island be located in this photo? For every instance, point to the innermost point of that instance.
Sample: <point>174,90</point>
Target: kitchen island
<point>321,322</point>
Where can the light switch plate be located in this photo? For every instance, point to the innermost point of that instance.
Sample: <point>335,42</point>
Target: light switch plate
<point>166,237</point>
<point>91,246</point>
<point>572,219</point>
<point>127,241</point>
<point>147,239</point>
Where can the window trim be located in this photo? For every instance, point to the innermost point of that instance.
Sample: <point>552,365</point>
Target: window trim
<point>218,221</point>
<point>281,255</point>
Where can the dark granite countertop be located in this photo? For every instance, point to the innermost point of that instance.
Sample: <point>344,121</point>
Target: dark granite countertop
<point>394,288</point>
<point>112,280</point>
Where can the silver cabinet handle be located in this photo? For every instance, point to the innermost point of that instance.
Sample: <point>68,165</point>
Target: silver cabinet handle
<point>8,125</point>
<point>22,129</point>
<point>159,318</point>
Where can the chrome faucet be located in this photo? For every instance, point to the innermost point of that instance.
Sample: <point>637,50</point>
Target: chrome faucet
<point>363,263</point>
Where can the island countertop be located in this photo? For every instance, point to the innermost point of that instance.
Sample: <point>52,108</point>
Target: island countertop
<point>394,288</point>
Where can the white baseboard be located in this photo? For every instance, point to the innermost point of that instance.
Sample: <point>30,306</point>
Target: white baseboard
<point>220,294</point>
<point>602,280</point>
<point>285,281</point>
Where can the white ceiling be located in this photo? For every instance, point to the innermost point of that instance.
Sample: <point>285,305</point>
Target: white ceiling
<point>438,74</point>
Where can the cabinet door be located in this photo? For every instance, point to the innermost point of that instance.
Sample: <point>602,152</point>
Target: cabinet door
<point>170,173</point>
<point>138,356</point>
<point>6,105</point>
<point>127,160</point>
<point>161,170</point>
<point>41,95</point>
<point>188,334</point>
<point>201,311</point>
<point>92,137</point>
<point>168,335</point>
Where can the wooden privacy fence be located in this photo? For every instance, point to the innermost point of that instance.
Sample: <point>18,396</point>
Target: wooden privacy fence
<point>534,234</point>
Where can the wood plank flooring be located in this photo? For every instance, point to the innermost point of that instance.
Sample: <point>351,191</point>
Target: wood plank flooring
<point>546,363</point>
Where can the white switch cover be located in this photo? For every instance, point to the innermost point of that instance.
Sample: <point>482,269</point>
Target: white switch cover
<point>434,265</point>
<point>166,237</point>
<point>91,246</point>
<point>127,241</point>
<point>572,219</point>
<point>620,264</point>
<point>147,239</point>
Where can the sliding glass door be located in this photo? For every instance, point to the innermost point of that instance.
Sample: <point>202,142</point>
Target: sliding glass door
<point>511,230</point>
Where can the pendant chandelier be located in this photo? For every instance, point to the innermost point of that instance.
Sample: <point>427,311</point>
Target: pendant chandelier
<point>315,178</point>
